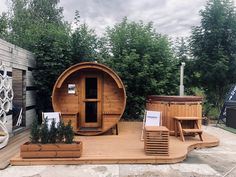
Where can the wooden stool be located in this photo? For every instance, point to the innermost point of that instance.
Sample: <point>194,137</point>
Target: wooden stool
<point>195,129</point>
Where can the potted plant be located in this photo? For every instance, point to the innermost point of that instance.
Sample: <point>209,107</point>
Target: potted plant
<point>53,142</point>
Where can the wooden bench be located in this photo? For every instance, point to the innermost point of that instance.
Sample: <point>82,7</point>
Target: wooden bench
<point>182,131</point>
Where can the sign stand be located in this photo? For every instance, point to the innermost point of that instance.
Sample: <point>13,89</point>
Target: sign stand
<point>151,118</point>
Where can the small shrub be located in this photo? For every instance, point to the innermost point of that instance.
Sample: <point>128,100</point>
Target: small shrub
<point>60,132</point>
<point>69,133</point>
<point>213,113</point>
<point>35,132</point>
<point>53,132</point>
<point>44,133</point>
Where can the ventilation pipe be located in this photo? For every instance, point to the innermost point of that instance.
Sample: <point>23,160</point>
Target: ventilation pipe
<point>181,86</point>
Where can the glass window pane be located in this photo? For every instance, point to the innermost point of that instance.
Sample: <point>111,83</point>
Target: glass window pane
<point>91,88</point>
<point>91,112</point>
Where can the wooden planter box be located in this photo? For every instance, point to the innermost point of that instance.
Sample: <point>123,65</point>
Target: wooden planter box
<point>29,150</point>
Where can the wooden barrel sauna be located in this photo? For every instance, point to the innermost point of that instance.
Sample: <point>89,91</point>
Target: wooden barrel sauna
<point>171,106</point>
<point>91,95</point>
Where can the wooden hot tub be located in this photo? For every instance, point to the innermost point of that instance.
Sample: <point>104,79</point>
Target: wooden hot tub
<point>172,106</point>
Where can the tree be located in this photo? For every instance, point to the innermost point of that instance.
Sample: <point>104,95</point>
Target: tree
<point>182,53</point>
<point>44,133</point>
<point>53,56</point>
<point>53,132</point>
<point>84,44</point>
<point>181,49</point>
<point>35,132</point>
<point>69,133</point>
<point>46,11</point>
<point>143,60</point>
<point>60,132</point>
<point>214,48</point>
<point>28,18</point>
<point>37,25</point>
<point>3,26</point>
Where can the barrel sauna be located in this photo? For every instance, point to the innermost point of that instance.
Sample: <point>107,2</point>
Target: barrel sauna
<point>171,106</point>
<point>91,95</point>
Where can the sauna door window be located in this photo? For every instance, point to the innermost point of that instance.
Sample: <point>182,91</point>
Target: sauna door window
<point>91,88</point>
<point>91,111</point>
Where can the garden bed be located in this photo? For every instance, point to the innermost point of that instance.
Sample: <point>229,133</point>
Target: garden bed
<point>29,150</point>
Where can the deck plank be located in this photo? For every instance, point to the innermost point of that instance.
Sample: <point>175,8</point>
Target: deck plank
<point>123,148</point>
<point>12,148</point>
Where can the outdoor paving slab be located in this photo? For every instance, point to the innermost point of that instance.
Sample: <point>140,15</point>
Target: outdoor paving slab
<point>62,171</point>
<point>221,158</point>
<point>176,170</point>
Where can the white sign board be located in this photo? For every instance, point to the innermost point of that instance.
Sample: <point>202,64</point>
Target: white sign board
<point>153,118</point>
<point>50,116</point>
<point>71,88</point>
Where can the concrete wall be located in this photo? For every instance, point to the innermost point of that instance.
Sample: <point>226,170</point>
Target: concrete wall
<point>15,57</point>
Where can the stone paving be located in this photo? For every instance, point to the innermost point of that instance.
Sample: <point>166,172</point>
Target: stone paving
<point>208,162</point>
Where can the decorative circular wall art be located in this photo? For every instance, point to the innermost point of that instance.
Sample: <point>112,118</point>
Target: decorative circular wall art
<point>6,97</point>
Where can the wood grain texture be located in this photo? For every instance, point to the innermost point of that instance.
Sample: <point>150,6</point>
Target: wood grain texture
<point>125,148</point>
<point>111,97</point>
<point>171,109</point>
<point>16,58</point>
<point>12,148</point>
<point>28,150</point>
<point>156,140</point>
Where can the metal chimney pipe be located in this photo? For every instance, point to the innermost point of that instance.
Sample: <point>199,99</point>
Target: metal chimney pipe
<point>181,86</point>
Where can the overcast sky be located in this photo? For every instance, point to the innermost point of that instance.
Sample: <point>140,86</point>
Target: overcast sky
<point>171,17</point>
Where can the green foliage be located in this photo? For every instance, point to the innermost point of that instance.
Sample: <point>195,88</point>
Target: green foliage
<point>214,48</point>
<point>46,11</point>
<point>35,132</point>
<point>142,57</point>
<point>44,133</point>
<point>144,61</point>
<point>211,111</point>
<point>3,26</point>
<point>28,18</point>
<point>69,133</point>
<point>53,132</point>
<point>84,44</point>
<point>53,56</point>
<point>181,49</point>
<point>37,25</point>
<point>60,132</point>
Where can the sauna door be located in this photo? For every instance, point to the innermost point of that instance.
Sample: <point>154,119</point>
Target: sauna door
<point>91,101</point>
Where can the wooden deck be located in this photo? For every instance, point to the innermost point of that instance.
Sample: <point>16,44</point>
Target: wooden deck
<point>124,148</point>
<point>12,148</point>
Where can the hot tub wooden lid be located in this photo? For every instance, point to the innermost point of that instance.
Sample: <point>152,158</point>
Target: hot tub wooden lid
<point>174,98</point>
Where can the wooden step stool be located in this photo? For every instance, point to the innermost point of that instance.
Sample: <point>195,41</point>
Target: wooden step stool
<point>178,127</point>
<point>156,140</point>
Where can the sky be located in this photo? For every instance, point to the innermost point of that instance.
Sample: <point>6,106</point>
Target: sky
<point>172,17</point>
